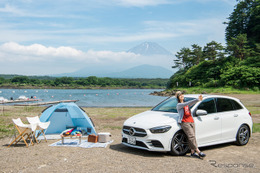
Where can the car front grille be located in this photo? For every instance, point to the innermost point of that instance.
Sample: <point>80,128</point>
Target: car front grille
<point>137,131</point>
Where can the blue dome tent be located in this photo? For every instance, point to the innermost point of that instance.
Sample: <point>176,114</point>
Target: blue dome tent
<point>67,115</point>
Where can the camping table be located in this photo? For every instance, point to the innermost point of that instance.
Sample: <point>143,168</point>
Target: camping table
<point>62,138</point>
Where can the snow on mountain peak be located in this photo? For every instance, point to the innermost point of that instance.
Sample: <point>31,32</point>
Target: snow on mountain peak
<point>149,48</point>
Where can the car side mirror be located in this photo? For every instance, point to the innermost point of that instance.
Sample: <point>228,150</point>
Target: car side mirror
<point>201,112</point>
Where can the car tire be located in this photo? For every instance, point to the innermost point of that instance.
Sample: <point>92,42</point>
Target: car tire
<point>243,135</point>
<point>179,144</point>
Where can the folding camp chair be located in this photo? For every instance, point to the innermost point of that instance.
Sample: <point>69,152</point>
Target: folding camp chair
<point>41,126</point>
<point>24,130</point>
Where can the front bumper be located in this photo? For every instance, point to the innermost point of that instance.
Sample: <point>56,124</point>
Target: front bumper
<point>152,142</point>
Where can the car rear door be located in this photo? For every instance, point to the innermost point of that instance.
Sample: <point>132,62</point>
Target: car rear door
<point>208,127</point>
<point>229,116</point>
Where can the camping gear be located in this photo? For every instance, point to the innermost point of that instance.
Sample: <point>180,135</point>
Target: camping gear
<point>93,138</point>
<point>76,135</point>
<point>75,143</point>
<point>41,126</point>
<point>104,137</point>
<point>24,130</point>
<point>67,115</point>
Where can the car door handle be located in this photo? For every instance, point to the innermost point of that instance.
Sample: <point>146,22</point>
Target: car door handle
<point>216,118</point>
<point>235,115</point>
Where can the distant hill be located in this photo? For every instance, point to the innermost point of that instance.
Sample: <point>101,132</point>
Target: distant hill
<point>149,48</point>
<point>143,71</point>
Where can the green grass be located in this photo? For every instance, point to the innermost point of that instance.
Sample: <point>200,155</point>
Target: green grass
<point>110,113</point>
<point>253,110</point>
<point>222,90</point>
<point>105,118</point>
<point>113,127</point>
<point>256,127</point>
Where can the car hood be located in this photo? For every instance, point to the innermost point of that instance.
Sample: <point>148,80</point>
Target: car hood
<point>151,119</point>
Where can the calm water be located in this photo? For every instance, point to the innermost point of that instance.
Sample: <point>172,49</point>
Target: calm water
<point>90,98</point>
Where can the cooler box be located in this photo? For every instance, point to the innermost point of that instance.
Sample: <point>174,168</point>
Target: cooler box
<point>104,137</point>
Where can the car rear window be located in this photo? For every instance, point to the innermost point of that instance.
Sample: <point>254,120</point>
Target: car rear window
<point>236,105</point>
<point>224,104</point>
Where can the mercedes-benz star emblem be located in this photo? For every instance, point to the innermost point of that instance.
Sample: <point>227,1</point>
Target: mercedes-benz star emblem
<point>132,131</point>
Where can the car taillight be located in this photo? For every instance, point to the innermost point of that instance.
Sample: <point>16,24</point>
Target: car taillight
<point>249,114</point>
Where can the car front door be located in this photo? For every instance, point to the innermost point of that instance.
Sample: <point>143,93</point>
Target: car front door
<point>208,127</point>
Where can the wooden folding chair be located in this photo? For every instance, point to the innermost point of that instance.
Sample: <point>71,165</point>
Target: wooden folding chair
<point>41,126</point>
<point>23,130</point>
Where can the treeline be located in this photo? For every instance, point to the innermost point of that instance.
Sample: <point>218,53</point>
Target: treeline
<point>88,82</point>
<point>236,64</point>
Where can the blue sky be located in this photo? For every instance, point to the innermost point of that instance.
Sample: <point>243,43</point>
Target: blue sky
<point>59,36</point>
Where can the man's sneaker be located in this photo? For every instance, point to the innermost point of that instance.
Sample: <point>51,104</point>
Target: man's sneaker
<point>202,154</point>
<point>194,155</point>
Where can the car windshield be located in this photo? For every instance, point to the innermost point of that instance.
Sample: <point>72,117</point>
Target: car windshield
<point>169,105</point>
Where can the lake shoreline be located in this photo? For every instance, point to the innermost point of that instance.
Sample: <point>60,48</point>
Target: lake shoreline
<point>90,88</point>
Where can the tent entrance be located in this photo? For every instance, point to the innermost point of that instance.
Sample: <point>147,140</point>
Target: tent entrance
<point>60,121</point>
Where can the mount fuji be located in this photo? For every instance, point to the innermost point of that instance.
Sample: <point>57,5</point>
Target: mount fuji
<point>149,48</point>
<point>147,51</point>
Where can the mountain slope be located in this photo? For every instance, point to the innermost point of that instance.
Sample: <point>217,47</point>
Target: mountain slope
<point>149,52</point>
<point>149,48</point>
<point>142,71</point>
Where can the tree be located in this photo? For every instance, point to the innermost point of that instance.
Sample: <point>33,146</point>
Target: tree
<point>93,80</point>
<point>238,47</point>
<point>213,50</point>
<point>253,27</point>
<point>242,76</point>
<point>196,54</point>
<point>183,60</point>
<point>245,19</point>
<point>20,80</point>
<point>2,80</point>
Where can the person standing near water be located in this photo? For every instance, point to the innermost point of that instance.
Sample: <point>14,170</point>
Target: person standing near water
<point>187,122</point>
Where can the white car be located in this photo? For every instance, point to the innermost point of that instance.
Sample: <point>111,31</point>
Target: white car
<point>218,119</point>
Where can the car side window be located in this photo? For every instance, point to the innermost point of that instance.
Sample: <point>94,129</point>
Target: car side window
<point>236,105</point>
<point>224,104</point>
<point>208,105</point>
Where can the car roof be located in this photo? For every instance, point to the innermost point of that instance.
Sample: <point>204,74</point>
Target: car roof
<point>210,96</point>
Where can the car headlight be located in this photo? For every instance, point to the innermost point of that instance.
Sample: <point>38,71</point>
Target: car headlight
<point>160,129</point>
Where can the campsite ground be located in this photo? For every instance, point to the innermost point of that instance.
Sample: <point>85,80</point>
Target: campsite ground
<point>119,158</point>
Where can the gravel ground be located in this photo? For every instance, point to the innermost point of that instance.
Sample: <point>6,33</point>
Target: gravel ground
<point>119,158</point>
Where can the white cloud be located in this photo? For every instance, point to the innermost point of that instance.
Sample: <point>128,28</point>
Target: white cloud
<point>212,27</point>
<point>141,3</point>
<point>37,59</point>
<point>15,52</point>
<point>10,9</point>
<point>127,37</point>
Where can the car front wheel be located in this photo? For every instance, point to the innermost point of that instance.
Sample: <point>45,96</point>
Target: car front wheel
<point>180,145</point>
<point>243,135</point>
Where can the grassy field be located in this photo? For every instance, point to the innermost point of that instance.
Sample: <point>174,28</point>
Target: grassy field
<point>103,118</point>
<point>256,127</point>
<point>222,90</point>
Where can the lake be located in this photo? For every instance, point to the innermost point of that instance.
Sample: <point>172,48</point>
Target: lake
<point>91,97</point>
